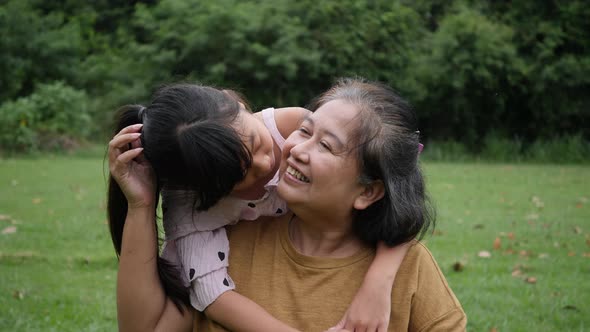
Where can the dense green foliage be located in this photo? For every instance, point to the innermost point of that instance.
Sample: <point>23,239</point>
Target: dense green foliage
<point>53,116</point>
<point>515,70</point>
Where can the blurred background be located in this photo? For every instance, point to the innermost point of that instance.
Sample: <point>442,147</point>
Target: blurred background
<point>500,80</point>
<point>502,89</point>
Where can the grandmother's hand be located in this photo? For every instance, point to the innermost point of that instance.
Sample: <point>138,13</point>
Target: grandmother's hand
<point>130,169</point>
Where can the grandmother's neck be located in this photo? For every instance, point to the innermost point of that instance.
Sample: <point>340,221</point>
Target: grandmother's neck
<point>311,240</point>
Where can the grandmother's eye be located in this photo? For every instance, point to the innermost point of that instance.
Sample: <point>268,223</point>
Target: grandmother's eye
<point>304,130</point>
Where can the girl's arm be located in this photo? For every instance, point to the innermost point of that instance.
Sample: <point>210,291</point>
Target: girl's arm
<point>289,119</point>
<point>142,304</point>
<point>238,313</point>
<point>371,307</point>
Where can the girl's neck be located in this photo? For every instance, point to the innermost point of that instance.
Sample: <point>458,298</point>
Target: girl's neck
<point>312,240</point>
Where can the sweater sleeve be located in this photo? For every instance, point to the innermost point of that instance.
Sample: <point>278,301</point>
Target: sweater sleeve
<point>433,305</point>
<point>453,320</point>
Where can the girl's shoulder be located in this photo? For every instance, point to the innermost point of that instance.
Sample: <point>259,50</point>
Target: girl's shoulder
<point>288,119</point>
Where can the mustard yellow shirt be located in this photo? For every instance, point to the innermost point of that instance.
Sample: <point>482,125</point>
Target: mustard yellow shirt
<point>312,293</point>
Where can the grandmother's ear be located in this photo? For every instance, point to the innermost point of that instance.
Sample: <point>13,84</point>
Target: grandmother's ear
<point>372,193</point>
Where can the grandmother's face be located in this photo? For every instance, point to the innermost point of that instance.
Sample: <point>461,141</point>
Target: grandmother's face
<point>318,170</point>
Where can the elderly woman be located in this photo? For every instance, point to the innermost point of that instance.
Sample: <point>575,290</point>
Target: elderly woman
<point>351,178</point>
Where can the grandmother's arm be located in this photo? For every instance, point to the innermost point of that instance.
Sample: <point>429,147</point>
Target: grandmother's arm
<point>288,119</point>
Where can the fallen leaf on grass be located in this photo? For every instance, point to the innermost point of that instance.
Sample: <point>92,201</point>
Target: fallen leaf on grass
<point>532,216</point>
<point>497,244</point>
<point>543,256</point>
<point>36,200</point>
<point>511,236</point>
<point>9,230</point>
<point>570,307</point>
<point>571,254</point>
<point>530,280</point>
<point>484,254</point>
<point>577,230</point>
<point>458,267</point>
<point>4,217</point>
<point>537,202</point>
<point>586,254</point>
<point>493,329</point>
<point>516,273</point>
<point>18,294</point>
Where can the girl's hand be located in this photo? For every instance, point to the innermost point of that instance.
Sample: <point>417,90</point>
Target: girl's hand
<point>130,169</point>
<point>371,306</point>
<point>370,309</point>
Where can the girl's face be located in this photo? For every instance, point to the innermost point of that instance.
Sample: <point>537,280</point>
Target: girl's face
<point>318,170</point>
<point>259,141</point>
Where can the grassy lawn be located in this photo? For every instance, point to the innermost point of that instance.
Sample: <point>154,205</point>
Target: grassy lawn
<point>58,270</point>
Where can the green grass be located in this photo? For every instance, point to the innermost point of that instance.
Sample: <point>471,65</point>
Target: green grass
<point>540,214</point>
<point>58,270</point>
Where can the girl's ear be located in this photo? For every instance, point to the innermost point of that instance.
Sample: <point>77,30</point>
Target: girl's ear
<point>372,193</point>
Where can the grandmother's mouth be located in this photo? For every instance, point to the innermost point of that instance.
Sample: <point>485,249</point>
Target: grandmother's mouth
<point>296,174</point>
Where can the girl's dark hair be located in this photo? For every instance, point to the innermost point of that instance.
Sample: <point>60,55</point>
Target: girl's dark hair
<point>386,144</point>
<point>189,140</point>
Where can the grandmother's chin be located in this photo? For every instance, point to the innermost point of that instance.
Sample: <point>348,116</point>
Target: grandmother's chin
<point>284,191</point>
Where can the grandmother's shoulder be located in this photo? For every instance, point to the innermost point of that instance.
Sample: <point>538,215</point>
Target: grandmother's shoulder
<point>420,258</point>
<point>419,249</point>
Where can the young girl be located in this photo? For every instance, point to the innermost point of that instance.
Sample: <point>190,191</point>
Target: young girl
<point>217,163</point>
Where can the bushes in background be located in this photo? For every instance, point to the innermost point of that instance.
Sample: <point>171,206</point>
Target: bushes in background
<point>479,73</point>
<point>55,116</point>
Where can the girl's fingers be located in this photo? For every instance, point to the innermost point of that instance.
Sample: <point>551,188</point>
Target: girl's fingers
<point>123,140</point>
<point>120,144</point>
<point>128,156</point>
<point>130,129</point>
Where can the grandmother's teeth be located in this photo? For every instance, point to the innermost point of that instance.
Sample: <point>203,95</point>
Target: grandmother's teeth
<point>296,174</point>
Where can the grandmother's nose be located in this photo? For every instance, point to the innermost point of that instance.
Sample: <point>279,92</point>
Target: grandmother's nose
<point>300,151</point>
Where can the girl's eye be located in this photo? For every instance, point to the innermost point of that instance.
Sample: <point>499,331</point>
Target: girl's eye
<point>325,146</point>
